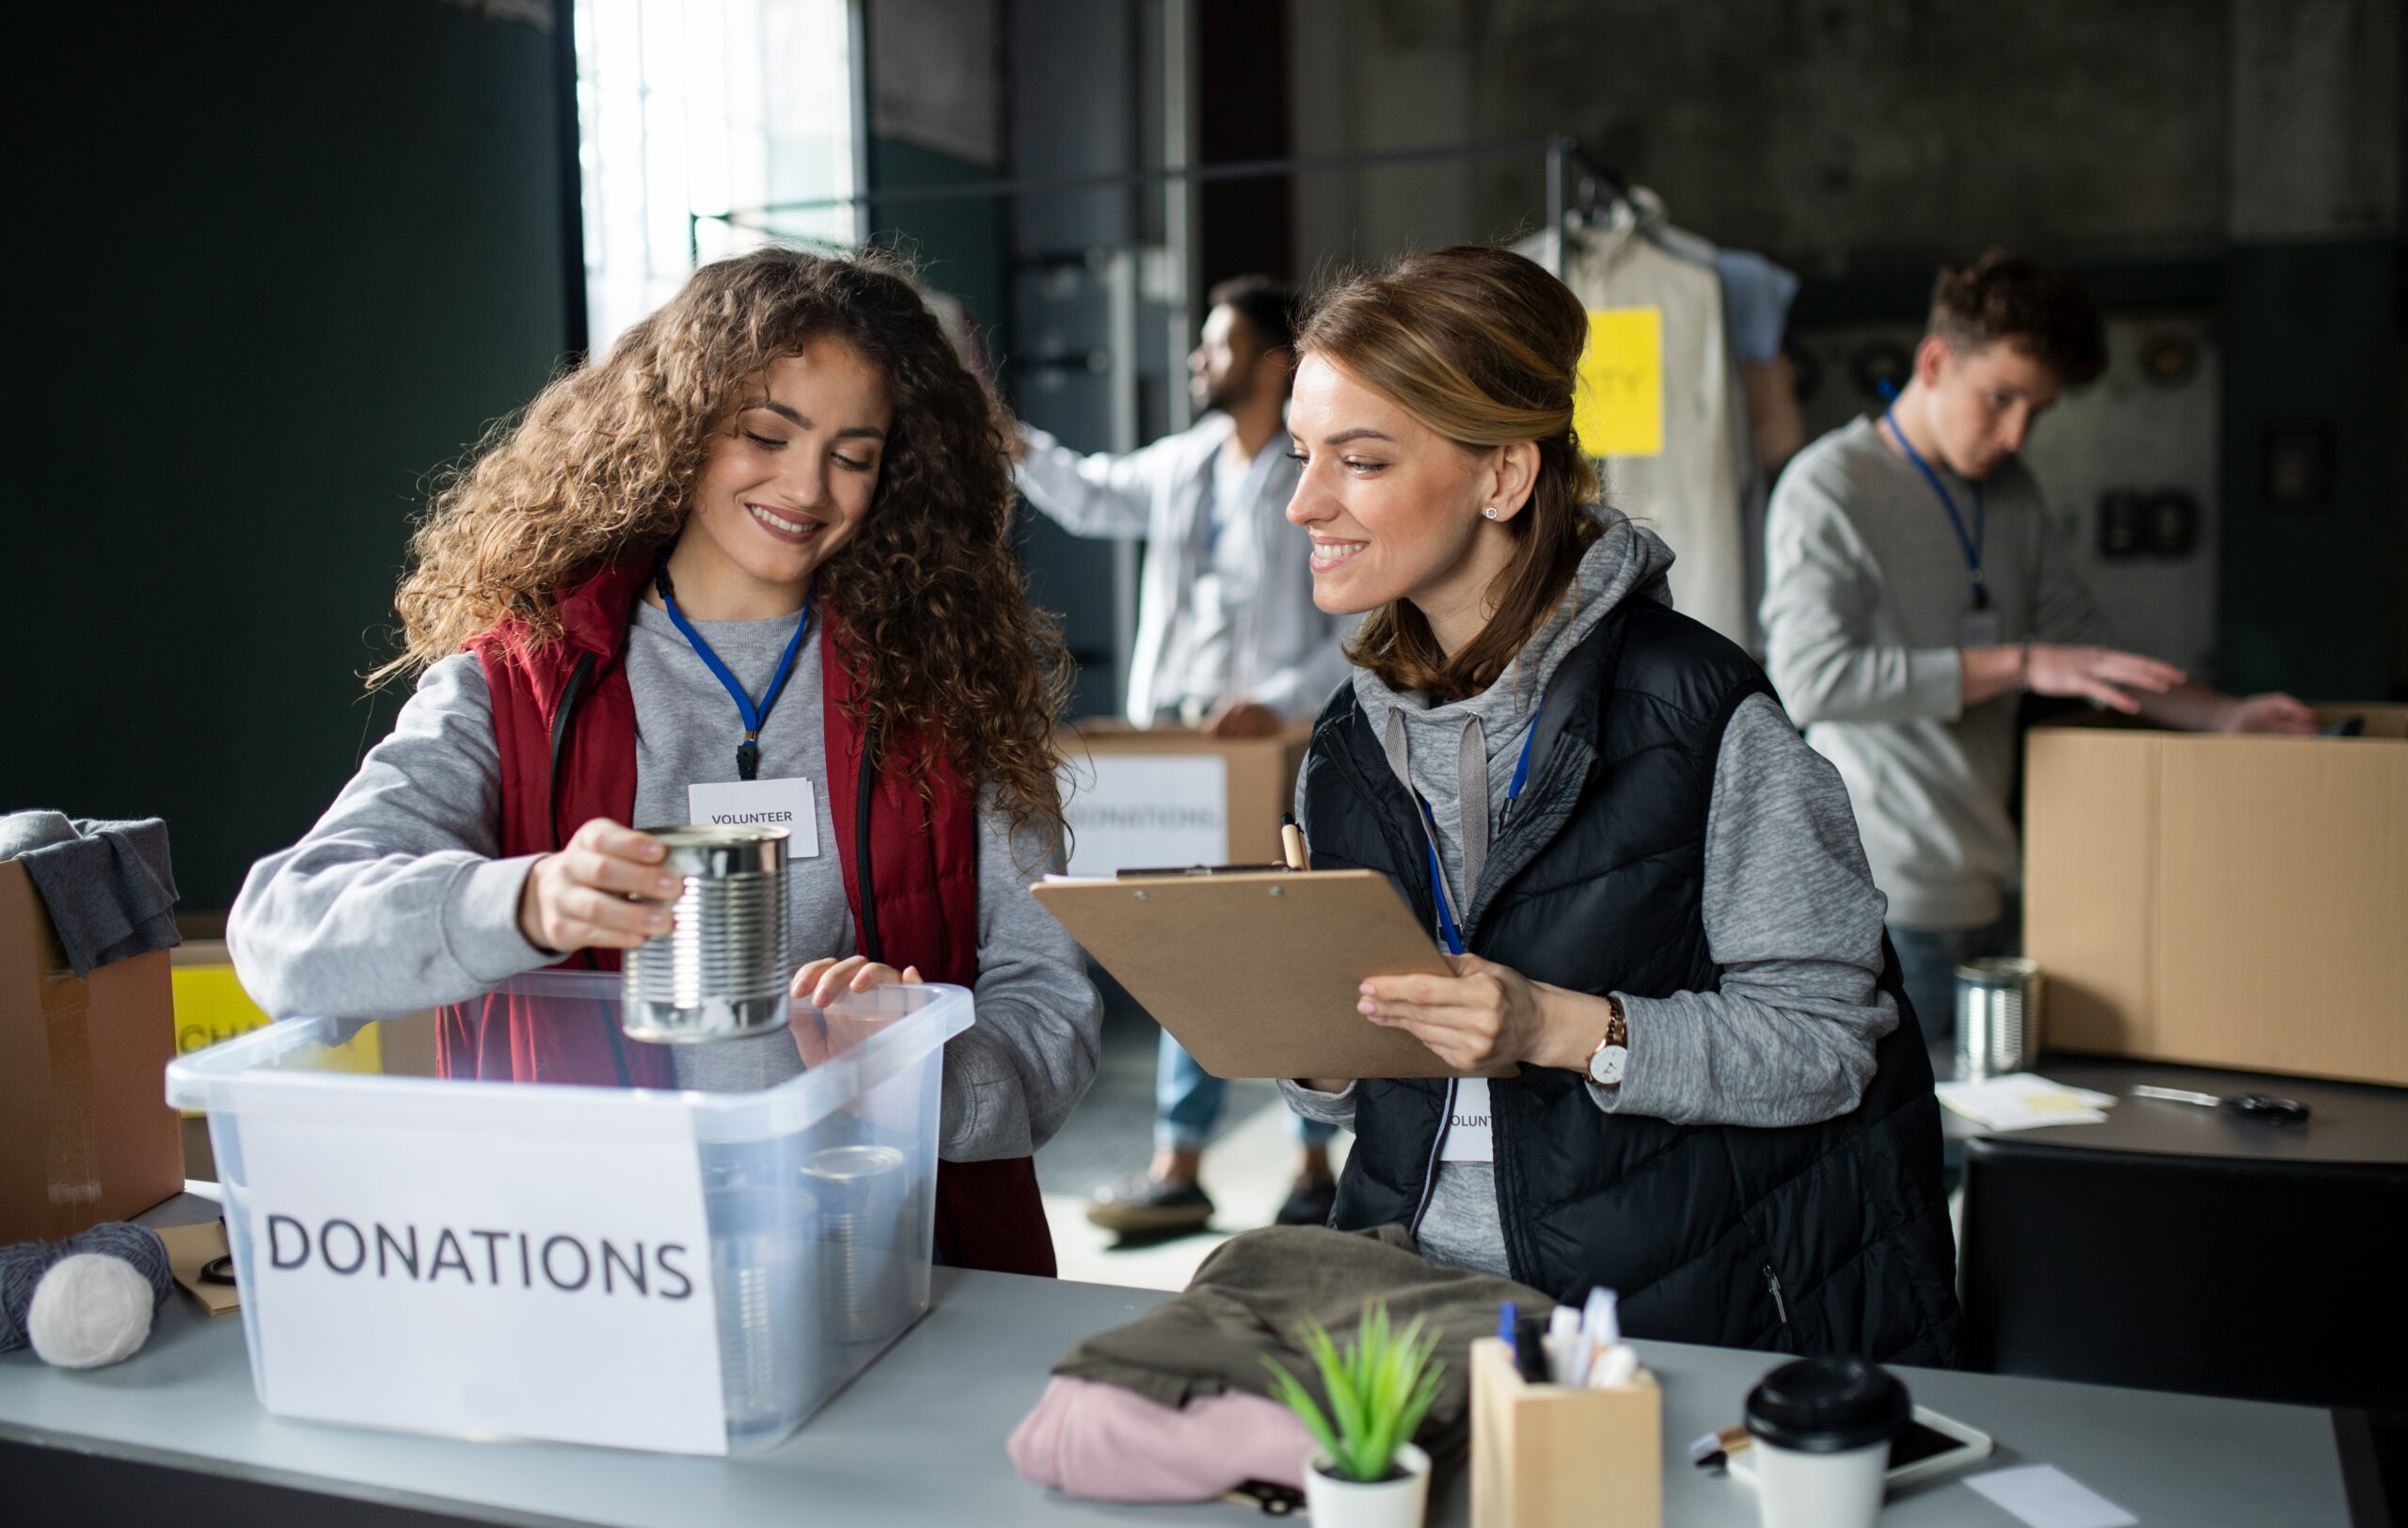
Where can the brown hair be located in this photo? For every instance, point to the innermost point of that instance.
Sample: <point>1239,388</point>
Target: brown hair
<point>1482,347</point>
<point>602,464</point>
<point>2003,296</point>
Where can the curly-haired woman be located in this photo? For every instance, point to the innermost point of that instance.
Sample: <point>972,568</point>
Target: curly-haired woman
<point>765,538</point>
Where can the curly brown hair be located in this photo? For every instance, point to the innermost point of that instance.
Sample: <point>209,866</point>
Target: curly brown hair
<point>1483,347</point>
<point>936,625</point>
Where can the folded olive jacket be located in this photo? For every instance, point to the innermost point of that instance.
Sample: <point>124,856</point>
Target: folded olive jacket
<point>1253,1294</point>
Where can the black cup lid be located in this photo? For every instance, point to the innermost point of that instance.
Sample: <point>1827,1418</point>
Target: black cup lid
<point>1828,1406</point>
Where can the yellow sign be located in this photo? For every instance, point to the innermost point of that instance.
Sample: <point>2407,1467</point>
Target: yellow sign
<point>1618,405</point>
<point>211,1006</point>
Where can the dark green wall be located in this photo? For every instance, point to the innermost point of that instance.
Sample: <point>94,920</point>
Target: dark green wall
<point>2311,336</point>
<point>270,263</point>
<point>960,244</point>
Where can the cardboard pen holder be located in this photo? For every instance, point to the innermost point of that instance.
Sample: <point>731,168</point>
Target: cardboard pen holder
<point>1549,1457</point>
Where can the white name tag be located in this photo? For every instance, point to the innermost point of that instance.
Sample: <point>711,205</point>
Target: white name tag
<point>762,803</point>
<point>1979,628</point>
<point>1468,1136</point>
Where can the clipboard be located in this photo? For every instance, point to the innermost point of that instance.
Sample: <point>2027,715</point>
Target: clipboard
<point>1256,973</point>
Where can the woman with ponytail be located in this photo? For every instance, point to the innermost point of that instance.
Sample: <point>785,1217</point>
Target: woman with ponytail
<point>1685,1069</point>
<point>764,539</point>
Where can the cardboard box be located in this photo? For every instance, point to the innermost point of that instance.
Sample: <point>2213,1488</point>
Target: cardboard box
<point>1170,796</point>
<point>85,1133</point>
<point>2233,902</point>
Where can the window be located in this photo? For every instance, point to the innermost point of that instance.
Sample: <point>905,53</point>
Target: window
<point>698,121</point>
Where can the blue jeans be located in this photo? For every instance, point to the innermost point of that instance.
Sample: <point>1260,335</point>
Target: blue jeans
<point>1928,961</point>
<point>1188,1100</point>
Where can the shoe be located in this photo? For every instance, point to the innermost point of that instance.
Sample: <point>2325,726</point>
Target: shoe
<point>1144,1206</point>
<point>1310,1203</point>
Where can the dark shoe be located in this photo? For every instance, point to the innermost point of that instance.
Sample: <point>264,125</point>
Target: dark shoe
<point>1143,1206</point>
<point>1310,1203</point>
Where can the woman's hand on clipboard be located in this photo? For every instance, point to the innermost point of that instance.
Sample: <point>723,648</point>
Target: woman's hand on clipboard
<point>1487,1016</point>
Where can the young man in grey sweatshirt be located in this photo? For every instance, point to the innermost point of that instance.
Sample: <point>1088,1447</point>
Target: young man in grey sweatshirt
<point>1914,586</point>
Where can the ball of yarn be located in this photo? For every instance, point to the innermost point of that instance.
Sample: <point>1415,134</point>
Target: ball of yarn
<point>89,1310</point>
<point>21,1267</point>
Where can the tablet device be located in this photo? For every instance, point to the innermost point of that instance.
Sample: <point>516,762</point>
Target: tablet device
<point>1931,1446</point>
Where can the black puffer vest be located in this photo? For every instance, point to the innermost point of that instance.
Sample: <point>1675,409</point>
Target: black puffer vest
<point>1823,1238</point>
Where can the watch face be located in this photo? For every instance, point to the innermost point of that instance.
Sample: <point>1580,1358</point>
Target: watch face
<point>1605,1067</point>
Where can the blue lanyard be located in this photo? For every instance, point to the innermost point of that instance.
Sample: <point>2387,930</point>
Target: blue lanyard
<point>748,753</point>
<point>1447,933</point>
<point>1972,543</point>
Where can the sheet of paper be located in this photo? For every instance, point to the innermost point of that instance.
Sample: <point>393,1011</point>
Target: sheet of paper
<point>1618,400</point>
<point>1147,811</point>
<point>2047,1497</point>
<point>2023,1101</point>
<point>447,1279</point>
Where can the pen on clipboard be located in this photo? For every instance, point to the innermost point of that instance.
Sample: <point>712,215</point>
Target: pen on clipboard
<point>1291,842</point>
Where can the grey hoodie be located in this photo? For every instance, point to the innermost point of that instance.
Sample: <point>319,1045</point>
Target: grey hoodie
<point>1791,914</point>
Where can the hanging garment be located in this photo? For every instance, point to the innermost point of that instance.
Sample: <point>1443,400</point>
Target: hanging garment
<point>1662,408</point>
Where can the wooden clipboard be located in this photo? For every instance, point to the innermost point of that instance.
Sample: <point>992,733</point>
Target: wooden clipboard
<point>1257,973</point>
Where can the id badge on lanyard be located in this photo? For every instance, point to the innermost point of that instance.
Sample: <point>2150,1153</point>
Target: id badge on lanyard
<point>791,804</point>
<point>748,801</point>
<point>1980,625</point>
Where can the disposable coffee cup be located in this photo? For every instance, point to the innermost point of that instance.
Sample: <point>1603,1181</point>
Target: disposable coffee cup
<point>1822,1430</point>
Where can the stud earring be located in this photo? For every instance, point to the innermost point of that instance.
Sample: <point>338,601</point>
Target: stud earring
<point>1490,512</point>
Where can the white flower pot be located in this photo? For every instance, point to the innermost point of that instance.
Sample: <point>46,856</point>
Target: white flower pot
<point>1337,1502</point>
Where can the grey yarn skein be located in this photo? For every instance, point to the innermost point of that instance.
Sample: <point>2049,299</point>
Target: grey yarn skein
<point>22,1266</point>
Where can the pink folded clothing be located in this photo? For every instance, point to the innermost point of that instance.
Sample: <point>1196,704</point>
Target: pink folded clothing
<point>1104,1444</point>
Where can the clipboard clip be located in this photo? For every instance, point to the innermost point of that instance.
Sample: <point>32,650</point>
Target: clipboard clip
<point>1201,869</point>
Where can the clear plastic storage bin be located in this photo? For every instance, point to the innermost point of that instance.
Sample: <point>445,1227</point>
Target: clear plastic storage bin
<point>506,1258</point>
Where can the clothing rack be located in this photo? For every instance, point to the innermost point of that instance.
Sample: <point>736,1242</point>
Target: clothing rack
<point>1562,155</point>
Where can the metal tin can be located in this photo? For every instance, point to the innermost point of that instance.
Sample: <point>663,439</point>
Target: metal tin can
<point>1998,1016</point>
<point>721,970</point>
<point>860,1191</point>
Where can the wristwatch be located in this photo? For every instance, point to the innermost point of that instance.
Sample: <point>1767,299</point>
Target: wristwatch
<point>1612,1053</point>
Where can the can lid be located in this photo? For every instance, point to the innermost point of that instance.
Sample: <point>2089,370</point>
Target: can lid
<point>711,835</point>
<point>715,850</point>
<point>1998,970</point>
<point>1828,1406</point>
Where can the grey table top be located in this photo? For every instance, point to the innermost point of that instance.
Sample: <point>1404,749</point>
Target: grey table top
<point>919,1437</point>
<point>2349,1122</point>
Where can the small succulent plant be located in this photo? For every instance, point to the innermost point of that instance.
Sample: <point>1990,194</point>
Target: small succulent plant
<point>1379,1390</point>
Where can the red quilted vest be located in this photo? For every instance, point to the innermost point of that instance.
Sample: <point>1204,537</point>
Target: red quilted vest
<point>565,721</point>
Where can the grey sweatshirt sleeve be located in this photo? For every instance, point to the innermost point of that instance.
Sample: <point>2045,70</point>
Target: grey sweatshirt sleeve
<point>1821,590</point>
<point>1793,918</point>
<point>394,901</point>
<point>1335,1108</point>
<point>1013,1077</point>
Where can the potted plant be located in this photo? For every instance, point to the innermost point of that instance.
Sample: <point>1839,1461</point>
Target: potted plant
<point>1367,1472</point>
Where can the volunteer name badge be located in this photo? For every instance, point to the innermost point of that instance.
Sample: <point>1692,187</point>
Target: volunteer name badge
<point>1469,1136</point>
<point>790,804</point>
<point>1979,628</point>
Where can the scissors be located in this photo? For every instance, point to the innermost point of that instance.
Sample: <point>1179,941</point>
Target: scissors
<point>2258,1106</point>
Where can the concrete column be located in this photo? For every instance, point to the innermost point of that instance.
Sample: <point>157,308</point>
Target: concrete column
<point>2312,583</point>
